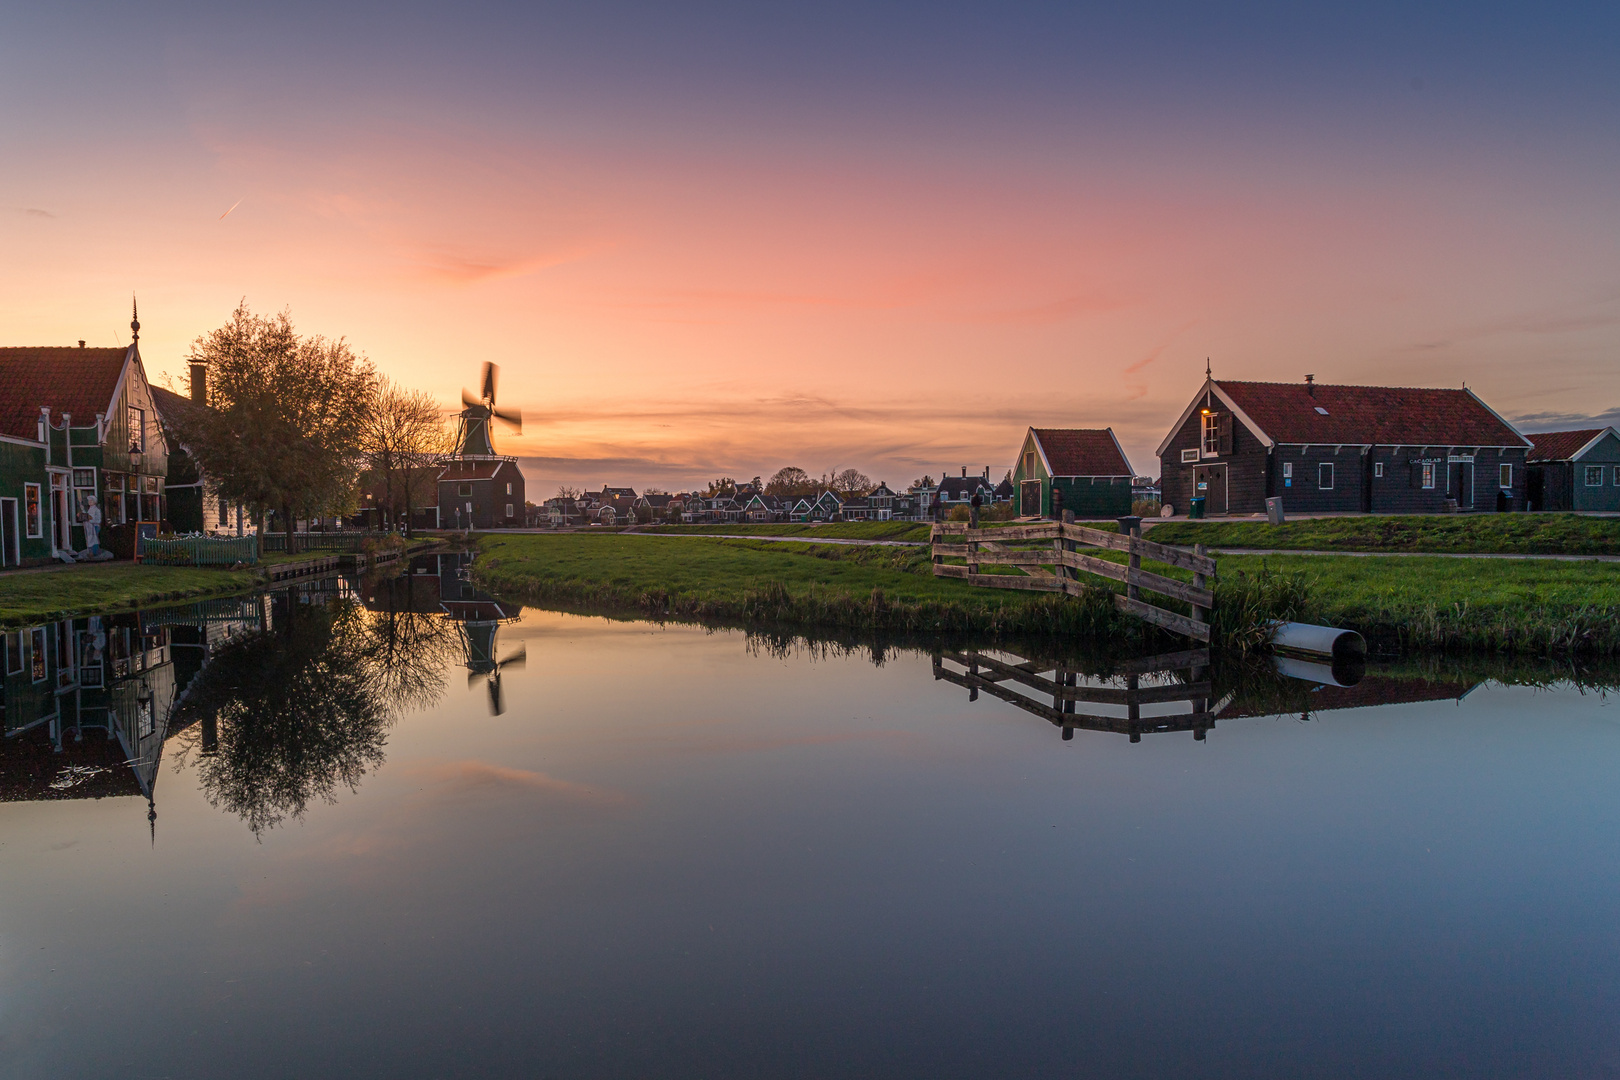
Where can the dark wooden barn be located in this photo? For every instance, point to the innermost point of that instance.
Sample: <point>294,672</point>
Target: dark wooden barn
<point>1341,449</point>
<point>1575,470</point>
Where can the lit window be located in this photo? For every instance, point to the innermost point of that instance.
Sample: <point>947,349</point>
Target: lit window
<point>1324,476</point>
<point>1505,479</point>
<point>1594,476</point>
<point>1211,429</point>
<point>1428,475</point>
<point>509,491</point>
<point>137,429</point>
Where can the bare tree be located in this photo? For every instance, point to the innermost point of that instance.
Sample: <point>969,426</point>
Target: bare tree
<point>851,482</point>
<point>791,482</point>
<point>402,427</point>
<point>568,491</point>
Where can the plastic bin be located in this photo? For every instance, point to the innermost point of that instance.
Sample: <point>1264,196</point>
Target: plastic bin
<point>1195,507</point>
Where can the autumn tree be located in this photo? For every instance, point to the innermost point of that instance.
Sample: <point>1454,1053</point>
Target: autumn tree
<point>791,483</point>
<point>851,482</point>
<point>286,418</point>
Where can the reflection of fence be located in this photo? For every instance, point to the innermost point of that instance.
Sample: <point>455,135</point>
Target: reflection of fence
<point>1055,565</point>
<point>198,550</point>
<point>996,677</point>
<point>322,541</point>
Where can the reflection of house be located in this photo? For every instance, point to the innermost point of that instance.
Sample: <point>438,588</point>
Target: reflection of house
<point>76,422</point>
<point>1321,448</point>
<point>1085,466</point>
<point>1575,470</point>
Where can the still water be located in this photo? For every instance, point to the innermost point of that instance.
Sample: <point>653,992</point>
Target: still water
<point>349,831</point>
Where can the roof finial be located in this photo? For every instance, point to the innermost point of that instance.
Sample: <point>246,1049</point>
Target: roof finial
<point>134,318</point>
<point>1206,367</point>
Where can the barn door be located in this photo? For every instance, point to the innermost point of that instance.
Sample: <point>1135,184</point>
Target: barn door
<point>1460,484</point>
<point>1029,498</point>
<point>1209,481</point>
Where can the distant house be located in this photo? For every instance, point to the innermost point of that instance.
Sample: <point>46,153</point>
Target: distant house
<point>954,491</point>
<point>1086,466</point>
<point>858,508</point>
<point>563,510</point>
<point>656,507</point>
<point>1323,449</point>
<point>825,507</point>
<point>1574,470</point>
<point>881,499</point>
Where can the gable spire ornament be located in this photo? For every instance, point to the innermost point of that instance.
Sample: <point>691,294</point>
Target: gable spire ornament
<point>1206,367</point>
<point>134,319</point>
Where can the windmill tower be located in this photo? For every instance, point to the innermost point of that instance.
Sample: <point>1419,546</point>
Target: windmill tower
<point>478,488</point>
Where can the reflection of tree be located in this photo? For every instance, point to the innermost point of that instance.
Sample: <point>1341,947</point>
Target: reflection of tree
<point>406,653</point>
<point>300,710</point>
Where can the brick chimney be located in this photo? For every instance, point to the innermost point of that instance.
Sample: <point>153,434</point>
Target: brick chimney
<point>199,383</point>
<point>1310,385</point>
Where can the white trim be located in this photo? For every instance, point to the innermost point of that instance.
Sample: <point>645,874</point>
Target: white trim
<point>1211,386</point>
<point>1499,416</point>
<point>1039,449</point>
<point>1129,468</point>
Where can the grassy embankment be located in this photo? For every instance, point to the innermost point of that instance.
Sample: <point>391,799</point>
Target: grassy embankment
<point>31,598</point>
<point>1525,607</point>
<point>1508,534</point>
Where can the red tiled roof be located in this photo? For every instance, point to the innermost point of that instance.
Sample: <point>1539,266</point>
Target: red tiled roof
<point>1560,445</point>
<point>69,380</point>
<point>1082,452</point>
<point>1382,415</point>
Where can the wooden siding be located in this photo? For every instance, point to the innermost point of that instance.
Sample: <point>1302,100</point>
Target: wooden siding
<point>1247,472</point>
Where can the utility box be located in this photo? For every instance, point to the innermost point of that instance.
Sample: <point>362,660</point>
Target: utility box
<point>1274,510</point>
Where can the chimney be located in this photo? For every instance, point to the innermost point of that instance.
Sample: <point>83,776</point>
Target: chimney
<point>1310,385</point>
<point>964,472</point>
<point>81,343</point>
<point>987,472</point>
<point>199,383</point>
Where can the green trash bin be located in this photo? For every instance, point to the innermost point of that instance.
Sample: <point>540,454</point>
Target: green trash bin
<point>1195,508</point>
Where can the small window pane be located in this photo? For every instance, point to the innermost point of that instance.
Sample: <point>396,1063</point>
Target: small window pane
<point>1324,476</point>
<point>1506,479</point>
<point>1428,475</point>
<point>1594,476</point>
<point>1378,468</point>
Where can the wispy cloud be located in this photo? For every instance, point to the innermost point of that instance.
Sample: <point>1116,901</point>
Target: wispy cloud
<point>33,211</point>
<point>471,778</point>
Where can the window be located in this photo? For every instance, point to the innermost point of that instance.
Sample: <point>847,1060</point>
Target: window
<point>36,650</point>
<point>1324,476</point>
<point>1594,478</point>
<point>1428,475</point>
<point>1288,470</point>
<point>113,512</point>
<point>84,478</point>
<point>509,491</point>
<point>137,430</point>
<point>1617,476</point>
<point>1029,463</point>
<point>146,716</point>
<point>14,653</point>
<point>463,489</point>
<point>1189,455</point>
<point>1210,442</point>
<point>1505,476</point>
<point>224,512</point>
<point>1378,468</point>
<point>31,514</point>
<point>508,509</point>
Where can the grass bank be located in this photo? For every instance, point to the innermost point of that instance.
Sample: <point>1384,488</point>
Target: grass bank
<point>1481,534</point>
<point>30,598</point>
<point>913,531</point>
<point>1436,605</point>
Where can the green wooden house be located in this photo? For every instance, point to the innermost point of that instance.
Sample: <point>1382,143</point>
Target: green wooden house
<point>1574,470</point>
<point>77,422</point>
<point>1086,466</point>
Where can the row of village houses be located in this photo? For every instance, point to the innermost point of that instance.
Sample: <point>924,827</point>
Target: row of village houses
<point>78,424</point>
<point>1319,448</point>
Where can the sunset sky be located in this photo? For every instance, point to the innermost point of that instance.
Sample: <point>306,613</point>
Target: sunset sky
<point>705,239</point>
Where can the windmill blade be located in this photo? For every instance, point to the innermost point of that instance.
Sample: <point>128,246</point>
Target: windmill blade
<point>517,660</point>
<point>514,418</point>
<point>492,374</point>
<point>472,678</point>
<point>497,697</point>
<point>468,400</point>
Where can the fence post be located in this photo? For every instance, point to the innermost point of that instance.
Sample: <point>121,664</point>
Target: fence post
<point>1200,614</point>
<point>1132,526</point>
<point>972,556</point>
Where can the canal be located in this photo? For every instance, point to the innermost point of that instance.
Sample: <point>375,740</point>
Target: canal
<point>399,829</point>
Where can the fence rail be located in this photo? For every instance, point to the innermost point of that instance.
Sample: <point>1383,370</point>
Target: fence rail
<point>1057,564</point>
<point>198,550</point>
<point>322,541</point>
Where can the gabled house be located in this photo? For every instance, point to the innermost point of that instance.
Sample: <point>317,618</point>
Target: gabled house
<point>954,491</point>
<point>881,499</point>
<point>764,508</point>
<point>825,507</point>
<point>1574,470</point>
<point>1085,466</point>
<point>77,423</point>
<point>858,508</point>
<point>1325,449</point>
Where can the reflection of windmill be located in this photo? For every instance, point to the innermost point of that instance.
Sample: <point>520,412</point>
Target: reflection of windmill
<point>479,641</point>
<point>472,430</point>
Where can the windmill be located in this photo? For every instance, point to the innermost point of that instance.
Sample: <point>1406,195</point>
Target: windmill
<point>479,640</point>
<point>472,432</point>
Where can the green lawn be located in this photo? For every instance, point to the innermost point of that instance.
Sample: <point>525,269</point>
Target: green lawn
<point>838,530</point>
<point>1511,534</point>
<point>1430,604</point>
<point>30,598</point>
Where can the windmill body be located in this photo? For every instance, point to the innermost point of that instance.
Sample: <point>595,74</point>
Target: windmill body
<point>478,488</point>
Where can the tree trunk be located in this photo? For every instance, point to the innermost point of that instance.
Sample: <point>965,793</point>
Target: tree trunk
<point>409,507</point>
<point>290,527</point>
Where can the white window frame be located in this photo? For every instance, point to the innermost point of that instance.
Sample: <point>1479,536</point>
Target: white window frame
<point>1427,479</point>
<point>1591,471</point>
<point>1378,469</point>
<point>1288,470</point>
<point>1504,475</point>
<point>34,528</point>
<point>1209,435</point>
<point>508,509</point>
<point>1324,469</point>
<point>1187,456</point>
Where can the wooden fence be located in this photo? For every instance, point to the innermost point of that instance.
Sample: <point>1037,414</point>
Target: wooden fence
<point>197,550</point>
<point>1173,678</point>
<point>1048,556</point>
